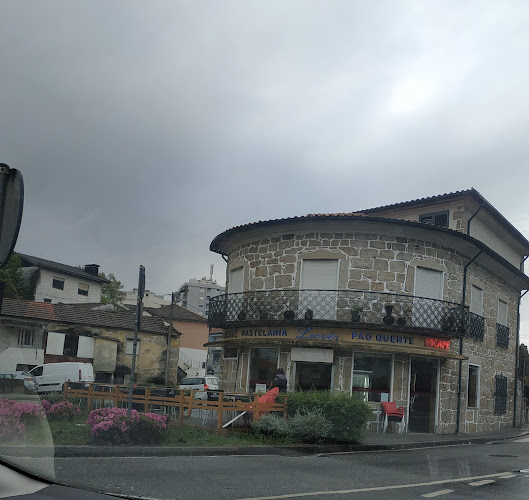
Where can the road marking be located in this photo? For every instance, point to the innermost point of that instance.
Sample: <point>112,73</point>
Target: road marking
<point>508,476</point>
<point>388,451</point>
<point>499,475</point>
<point>523,440</point>
<point>437,493</point>
<point>482,483</point>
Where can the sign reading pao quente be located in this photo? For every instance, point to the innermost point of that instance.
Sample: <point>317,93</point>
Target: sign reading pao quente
<point>342,335</point>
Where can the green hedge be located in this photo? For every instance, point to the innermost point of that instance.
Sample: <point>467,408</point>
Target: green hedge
<point>347,414</point>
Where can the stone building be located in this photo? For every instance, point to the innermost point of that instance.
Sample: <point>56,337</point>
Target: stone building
<point>416,303</point>
<point>33,333</point>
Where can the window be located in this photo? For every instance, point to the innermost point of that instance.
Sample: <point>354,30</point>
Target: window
<point>129,345</point>
<point>71,342</point>
<point>429,285</point>
<point>47,300</point>
<point>82,289</point>
<point>436,218</point>
<point>58,283</point>
<point>236,280</point>
<point>230,353</point>
<point>473,386</point>
<point>26,338</point>
<point>500,395</point>
<point>372,376</point>
<point>319,282</point>
<point>263,366</point>
<point>476,300</point>
<point>502,312</point>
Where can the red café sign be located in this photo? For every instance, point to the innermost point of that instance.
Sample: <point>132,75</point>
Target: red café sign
<point>437,343</point>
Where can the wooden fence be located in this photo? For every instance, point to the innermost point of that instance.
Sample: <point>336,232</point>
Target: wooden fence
<point>179,403</point>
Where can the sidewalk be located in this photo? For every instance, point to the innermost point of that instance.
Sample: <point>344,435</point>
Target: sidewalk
<point>372,442</point>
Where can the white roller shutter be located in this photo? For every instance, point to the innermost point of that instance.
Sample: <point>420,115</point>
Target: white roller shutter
<point>319,274</point>
<point>428,283</point>
<point>476,300</point>
<point>236,280</point>
<point>502,312</point>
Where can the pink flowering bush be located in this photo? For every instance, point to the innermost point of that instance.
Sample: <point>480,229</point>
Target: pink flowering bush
<point>15,416</point>
<point>63,410</point>
<point>112,426</point>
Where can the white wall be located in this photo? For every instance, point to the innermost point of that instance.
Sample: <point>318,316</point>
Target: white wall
<point>150,299</point>
<point>192,360</point>
<point>12,356</point>
<point>69,295</point>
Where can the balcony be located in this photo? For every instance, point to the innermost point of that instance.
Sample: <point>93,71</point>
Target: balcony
<point>338,308</point>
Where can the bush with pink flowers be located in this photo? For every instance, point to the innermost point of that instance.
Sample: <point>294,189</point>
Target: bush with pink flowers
<point>15,416</point>
<point>63,410</point>
<point>113,426</point>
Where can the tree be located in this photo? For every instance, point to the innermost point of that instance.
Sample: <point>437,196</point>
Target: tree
<point>111,292</point>
<point>11,274</point>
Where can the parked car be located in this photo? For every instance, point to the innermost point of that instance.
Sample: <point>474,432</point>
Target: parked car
<point>202,385</point>
<point>30,384</point>
<point>52,376</point>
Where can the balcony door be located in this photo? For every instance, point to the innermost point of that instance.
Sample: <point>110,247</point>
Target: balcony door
<point>235,285</point>
<point>319,282</point>
<point>429,285</point>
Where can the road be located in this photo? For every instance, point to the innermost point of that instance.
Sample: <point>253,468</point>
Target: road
<point>465,471</point>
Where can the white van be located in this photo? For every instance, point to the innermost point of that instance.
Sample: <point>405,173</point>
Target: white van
<point>51,376</point>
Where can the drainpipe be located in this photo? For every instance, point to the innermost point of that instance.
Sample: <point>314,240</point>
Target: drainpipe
<point>516,360</point>
<point>460,381</point>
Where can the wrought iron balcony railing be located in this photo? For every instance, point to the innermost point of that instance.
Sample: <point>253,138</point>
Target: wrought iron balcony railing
<point>502,335</point>
<point>476,326</point>
<point>337,307</point>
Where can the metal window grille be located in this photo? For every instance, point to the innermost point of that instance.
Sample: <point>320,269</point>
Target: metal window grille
<point>476,326</point>
<point>502,335</point>
<point>26,337</point>
<point>500,395</point>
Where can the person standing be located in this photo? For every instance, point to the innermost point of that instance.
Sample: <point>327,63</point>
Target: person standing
<point>280,381</point>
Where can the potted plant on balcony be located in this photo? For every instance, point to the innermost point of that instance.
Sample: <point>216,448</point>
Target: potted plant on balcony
<point>241,316</point>
<point>388,319</point>
<point>290,315</point>
<point>356,312</point>
<point>309,314</point>
<point>448,322</point>
<point>263,314</point>
<point>405,314</point>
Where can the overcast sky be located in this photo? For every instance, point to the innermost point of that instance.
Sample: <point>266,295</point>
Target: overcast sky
<point>144,129</point>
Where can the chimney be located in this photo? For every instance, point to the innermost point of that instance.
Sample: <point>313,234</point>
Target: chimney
<point>92,269</point>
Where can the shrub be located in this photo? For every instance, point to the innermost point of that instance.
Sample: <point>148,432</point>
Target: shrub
<point>113,426</point>
<point>310,426</point>
<point>60,411</point>
<point>347,414</point>
<point>271,425</point>
<point>14,416</point>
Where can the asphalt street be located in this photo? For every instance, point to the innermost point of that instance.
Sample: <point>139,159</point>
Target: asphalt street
<point>495,470</point>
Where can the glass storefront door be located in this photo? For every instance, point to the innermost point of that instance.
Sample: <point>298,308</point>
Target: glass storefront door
<point>263,366</point>
<point>423,395</point>
<point>315,376</point>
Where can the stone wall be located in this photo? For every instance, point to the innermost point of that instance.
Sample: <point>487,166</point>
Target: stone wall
<point>381,263</point>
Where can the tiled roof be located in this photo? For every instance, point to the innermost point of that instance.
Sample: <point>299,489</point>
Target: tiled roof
<point>81,315</point>
<point>179,313</point>
<point>27,309</point>
<point>63,268</point>
<point>428,199</point>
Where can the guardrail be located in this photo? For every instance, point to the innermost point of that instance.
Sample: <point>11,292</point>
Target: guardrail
<point>179,402</point>
<point>386,310</point>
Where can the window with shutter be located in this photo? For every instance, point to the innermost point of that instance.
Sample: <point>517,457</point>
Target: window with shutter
<point>321,275</point>
<point>429,285</point>
<point>502,312</point>
<point>236,280</point>
<point>476,300</point>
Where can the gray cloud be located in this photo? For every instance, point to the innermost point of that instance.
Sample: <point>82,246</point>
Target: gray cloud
<point>143,129</point>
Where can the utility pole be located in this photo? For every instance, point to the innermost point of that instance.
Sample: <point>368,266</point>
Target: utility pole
<point>168,355</point>
<point>137,327</point>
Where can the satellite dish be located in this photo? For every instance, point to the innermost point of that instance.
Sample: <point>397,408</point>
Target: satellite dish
<point>11,204</point>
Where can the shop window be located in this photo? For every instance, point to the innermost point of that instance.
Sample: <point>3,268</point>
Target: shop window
<point>372,376</point>
<point>436,218</point>
<point>500,395</point>
<point>473,386</point>
<point>263,366</point>
<point>230,353</point>
<point>313,376</point>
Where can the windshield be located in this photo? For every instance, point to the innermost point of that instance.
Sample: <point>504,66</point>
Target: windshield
<point>265,249</point>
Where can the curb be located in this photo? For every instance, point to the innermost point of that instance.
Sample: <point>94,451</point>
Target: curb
<point>196,451</point>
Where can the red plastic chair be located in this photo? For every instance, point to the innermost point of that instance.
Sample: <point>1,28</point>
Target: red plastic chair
<point>392,413</point>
